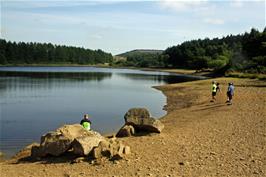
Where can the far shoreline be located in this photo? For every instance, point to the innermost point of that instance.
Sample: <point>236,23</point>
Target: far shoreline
<point>191,72</point>
<point>204,72</point>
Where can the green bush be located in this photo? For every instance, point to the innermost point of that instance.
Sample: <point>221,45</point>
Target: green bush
<point>216,64</point>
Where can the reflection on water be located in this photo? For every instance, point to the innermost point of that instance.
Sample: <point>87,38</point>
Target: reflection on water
<point>20,80</point>
<point>170,78</point>
<point>36,100</point>
<point>95,76</point>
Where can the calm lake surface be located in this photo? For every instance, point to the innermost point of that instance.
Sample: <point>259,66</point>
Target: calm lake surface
<point>35,100</point>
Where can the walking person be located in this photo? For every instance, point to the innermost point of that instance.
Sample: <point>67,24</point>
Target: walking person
<point>218,89</point>
<point>214,90</point>
<point>230,93</point>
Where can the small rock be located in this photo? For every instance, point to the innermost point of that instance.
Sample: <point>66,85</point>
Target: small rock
<point>79,160</point>
<point>181,163</point>
<point>255,172</point>
<point>82,174</point>
<point>67,175</point>
<point>116,162</point>
<point>92,162</point>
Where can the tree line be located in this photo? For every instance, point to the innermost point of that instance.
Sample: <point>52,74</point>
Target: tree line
<point>38,53</point>
<point>244,52</point>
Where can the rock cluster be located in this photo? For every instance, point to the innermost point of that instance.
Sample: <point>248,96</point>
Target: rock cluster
<point>139,120</point>
<point>80,141</point>
<point>111,149</point>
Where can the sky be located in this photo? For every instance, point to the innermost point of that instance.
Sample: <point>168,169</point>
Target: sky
<point>117,26</point>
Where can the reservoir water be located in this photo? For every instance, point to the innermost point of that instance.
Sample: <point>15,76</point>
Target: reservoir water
<point>35,100</point>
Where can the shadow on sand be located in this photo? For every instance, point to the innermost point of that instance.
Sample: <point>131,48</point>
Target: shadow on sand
<point>210,106</point>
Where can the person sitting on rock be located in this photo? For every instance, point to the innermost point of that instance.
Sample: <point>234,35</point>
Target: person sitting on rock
<point>85,122</point>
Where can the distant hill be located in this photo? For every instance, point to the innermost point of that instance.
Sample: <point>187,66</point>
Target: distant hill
<point>139,52</point>
<point>140,58</point>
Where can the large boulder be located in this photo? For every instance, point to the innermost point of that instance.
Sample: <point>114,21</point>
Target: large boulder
<point>140,119</point>
<point>84,144</point>
<point>59,141</point>
<point>126,131</point>
<point>55,143</point>
<point>137,113</point>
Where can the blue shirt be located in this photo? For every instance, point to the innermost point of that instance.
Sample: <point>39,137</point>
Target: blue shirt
<point>231,89</point>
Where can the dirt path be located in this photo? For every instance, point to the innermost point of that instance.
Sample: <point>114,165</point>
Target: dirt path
<point>200,138</point>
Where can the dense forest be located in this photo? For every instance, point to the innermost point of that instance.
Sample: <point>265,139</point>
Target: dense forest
<point>37,53</point>
<point>244,52</point>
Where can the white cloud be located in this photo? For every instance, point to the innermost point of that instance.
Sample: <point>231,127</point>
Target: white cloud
<point>214,21</point>
<point>96,36</point>
<point>236,3</point>
<point>181,5</point>
<point>22,4</point>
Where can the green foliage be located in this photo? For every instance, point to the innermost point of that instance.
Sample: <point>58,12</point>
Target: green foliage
<point>216,64</point>
<point>245,52</point>
<point>37,53</point>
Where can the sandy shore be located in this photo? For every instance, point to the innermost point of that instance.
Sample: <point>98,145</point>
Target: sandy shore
<point>200,138</point>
